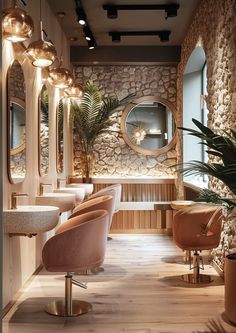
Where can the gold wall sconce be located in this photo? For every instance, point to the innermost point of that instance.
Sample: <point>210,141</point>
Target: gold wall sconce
<point>17,25</point>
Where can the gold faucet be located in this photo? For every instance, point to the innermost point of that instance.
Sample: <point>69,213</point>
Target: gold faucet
<point>14,195</point>
<point>41,187</point>
<point>59,180</point>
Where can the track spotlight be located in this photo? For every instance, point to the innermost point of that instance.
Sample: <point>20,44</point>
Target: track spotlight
<point>81,16</point>
<point>115,37</point>
<point>87,33</point>
<point>91,44</point>
<point>164,35</point>
<point>112,12</point>
<point>171,11</point>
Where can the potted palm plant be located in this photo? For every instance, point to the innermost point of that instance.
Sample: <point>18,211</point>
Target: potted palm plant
<point>223,147</point>
<point>91,118</point>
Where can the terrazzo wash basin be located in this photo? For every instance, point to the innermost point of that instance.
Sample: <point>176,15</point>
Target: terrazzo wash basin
<point>78,192</point>
<point>64,201</point>
<point>88,188</point>
<point>30,219</point>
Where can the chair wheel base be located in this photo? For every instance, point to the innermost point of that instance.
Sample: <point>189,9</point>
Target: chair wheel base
<point>202,278</point>
<point>57,308</point>
<point>91,271</point>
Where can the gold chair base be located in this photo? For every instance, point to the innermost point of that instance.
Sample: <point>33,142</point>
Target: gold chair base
<point>201,279</point>
<point>57,308</point>
<point>91,271</point>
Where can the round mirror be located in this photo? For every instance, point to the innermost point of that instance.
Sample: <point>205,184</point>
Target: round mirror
<point>148,125</point>
<point>16,119</point>
<point>60,139</point>
<point>43,132</point>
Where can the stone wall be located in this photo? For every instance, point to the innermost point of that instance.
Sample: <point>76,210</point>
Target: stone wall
<point>113,157</point>
<point>214,29</point>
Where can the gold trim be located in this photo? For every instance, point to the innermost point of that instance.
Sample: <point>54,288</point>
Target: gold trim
<point>136,148</point>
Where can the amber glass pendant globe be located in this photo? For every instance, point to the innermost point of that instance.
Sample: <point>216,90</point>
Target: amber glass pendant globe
<point>74,91</point>
<point>17,25</point>
<point>43,53</point>
<point>60,77</point>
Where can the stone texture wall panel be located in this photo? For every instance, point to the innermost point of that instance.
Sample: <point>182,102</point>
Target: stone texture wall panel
<point>113,157</point>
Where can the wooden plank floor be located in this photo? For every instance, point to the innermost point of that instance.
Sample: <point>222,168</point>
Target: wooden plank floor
<point>139,292</point>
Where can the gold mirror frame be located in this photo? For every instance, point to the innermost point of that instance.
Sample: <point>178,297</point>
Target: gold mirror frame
<point>136,148</point>
<point>60,164</point>
<point>41,173</point>
<point>22,147</point>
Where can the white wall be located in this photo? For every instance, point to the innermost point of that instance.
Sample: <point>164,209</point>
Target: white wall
<point>22,255</point>
<point>191,109</point>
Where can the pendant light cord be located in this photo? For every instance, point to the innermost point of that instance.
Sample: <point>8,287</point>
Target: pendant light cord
<point>40,20</point>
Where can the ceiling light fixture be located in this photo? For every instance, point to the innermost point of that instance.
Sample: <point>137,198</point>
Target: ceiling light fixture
<point>91,44</point>
<point>17,25</point>
<point>60,77</point>
<point>162,34</point>
<point>42,53</point>
<point>74,91</point>
<point>80,12</point>
<point>170,9</point>
<point>87,33</point>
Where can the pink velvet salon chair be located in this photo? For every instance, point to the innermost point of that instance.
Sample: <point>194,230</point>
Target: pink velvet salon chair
<point>79,244</point>
<point>196,229</point>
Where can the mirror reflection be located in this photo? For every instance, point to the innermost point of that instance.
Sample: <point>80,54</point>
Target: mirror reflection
<point>149,125</point>
<point>43,131</point>
<point>16,123</point>
<point>60,143</point>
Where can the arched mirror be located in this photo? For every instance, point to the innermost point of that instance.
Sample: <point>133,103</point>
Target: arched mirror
<point>60,137</point>
<point>148,125</point>
<point>43,131</point>
<point>16,120</point>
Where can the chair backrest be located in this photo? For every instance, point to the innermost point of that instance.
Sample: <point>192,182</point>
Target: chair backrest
<point>105,202</point>
<point>116,189</point>
<point>78,244</point>
<point>198,227</point>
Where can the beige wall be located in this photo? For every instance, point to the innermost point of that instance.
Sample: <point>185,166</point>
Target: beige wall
<point>22,255</point>
<point>214,29</point>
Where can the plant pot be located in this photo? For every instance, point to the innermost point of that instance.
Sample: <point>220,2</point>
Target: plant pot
<point>87,165</point>
<point>230,287</point>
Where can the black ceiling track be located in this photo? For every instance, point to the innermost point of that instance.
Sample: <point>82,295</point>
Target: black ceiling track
<point>170,9</point>
<point>162,34</point>
<point>82,19</point>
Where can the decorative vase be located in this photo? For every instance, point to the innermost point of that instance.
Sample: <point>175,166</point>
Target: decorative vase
<point>230,287</point>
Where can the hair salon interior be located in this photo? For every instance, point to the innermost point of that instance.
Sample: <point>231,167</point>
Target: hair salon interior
<point>119,166</point>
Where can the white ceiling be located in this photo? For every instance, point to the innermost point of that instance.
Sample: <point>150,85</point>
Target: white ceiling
<point>127,20</point>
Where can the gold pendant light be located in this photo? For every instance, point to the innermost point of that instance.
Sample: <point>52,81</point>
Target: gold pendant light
<point>60,77</point>
<point>17,25</point>
<point>42,53</point>
<point>74,91</point>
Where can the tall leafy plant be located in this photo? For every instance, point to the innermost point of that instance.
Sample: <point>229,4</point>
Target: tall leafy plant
<point>222,147</point>
<point>91,118</point>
